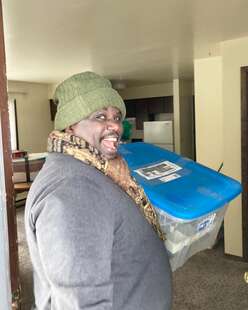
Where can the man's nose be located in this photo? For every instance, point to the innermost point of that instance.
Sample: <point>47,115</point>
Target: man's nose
<point>114,125</point>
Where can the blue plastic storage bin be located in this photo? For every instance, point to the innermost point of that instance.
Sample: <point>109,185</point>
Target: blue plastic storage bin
<point>190,199</point>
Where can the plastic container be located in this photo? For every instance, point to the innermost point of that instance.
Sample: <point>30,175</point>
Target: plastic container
<point>190,199</point>
<point>186,238</point>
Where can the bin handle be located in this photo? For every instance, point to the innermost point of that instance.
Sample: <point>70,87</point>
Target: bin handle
<point>221,166</point>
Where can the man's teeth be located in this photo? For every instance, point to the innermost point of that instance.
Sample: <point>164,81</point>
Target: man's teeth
<point>114,139</point>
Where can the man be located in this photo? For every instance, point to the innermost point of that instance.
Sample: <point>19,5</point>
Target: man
<point>93,238</point>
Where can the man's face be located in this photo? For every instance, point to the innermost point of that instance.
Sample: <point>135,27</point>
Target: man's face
<point>102,129</point>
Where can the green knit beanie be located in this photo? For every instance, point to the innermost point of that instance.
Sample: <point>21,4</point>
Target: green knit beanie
<point>81,95</point>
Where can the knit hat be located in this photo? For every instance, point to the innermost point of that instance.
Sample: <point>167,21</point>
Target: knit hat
<point>81,95</point>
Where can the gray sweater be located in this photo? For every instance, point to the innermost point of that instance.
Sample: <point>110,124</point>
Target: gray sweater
<point>90,246</point>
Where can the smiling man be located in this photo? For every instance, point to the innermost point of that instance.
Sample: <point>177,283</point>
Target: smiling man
<point>94,239</point>
<point>102,129</point>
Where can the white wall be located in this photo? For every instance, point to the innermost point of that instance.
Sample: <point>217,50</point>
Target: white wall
<point>208,111</point>
<point>186,118</point>
<point>218,125</point>
<point>176,115</point>
<point>234,55</point>
<point>33,113</point>
<point>149,91</point>
<point>51,90</point>
<point>183,117</point>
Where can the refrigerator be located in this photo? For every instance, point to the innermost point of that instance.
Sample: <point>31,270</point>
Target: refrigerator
<point>159,133</point>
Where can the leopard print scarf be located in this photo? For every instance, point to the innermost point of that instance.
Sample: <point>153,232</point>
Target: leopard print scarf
<point>116,169</point>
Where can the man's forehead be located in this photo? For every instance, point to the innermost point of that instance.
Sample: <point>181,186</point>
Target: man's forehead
<point>108,109</point>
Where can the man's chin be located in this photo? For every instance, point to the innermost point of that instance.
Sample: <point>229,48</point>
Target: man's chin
<point>109,154</point>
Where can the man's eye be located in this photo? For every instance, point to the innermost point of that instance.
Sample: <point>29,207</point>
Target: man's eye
<point>118,118</point>
<point>100,117</point>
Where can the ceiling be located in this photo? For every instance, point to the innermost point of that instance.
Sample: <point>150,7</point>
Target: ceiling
<point>137,42</point>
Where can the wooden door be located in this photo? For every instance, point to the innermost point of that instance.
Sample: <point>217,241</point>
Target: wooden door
<point>11,214</point>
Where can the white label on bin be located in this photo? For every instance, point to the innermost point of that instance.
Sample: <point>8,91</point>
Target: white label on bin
<point>206,222</point>
<point>170,177</point>
<point>158,170</point>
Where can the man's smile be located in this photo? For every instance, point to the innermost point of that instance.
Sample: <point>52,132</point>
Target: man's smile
<point>110,142</point>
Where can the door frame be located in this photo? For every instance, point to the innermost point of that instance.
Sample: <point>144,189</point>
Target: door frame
<point>244,158</point>
<point>8,172</point>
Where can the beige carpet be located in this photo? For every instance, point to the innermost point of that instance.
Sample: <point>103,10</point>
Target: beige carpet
<point>208,281</point>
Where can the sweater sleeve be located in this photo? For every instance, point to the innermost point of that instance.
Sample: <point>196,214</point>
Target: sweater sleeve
<point>74,232</point>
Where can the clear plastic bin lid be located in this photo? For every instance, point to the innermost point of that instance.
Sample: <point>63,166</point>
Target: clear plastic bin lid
<point>178,185</point>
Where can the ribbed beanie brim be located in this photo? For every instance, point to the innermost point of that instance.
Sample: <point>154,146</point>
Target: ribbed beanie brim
<point>81,95</point>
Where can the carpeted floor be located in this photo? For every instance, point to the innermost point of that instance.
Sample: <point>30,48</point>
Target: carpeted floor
<point>208,281</point>
<point>25,266</point>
